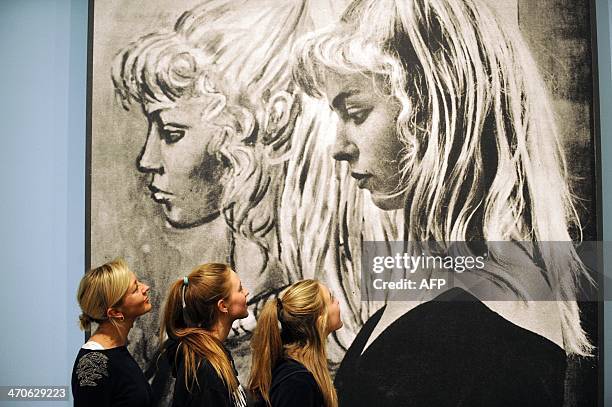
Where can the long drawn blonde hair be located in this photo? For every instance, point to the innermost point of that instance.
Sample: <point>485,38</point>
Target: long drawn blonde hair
<point>301,311</point>
<point>482,157</point>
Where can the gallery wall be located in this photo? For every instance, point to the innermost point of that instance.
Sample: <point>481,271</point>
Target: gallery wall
<point>43,53</point>
<point>43,48</point>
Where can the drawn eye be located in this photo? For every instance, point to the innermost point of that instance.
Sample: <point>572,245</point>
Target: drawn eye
<point>359,116</point>
<point>171,136</point>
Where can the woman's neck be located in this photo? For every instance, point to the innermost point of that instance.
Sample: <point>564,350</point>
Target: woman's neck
<point>220,329</point>
<point>112,336</point>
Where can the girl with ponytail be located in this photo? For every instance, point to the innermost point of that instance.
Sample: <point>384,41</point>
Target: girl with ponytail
<point>288,347</point>
<point>198,316</point>
<point>104,373</point>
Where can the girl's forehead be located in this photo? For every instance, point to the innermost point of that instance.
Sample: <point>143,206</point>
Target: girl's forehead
<point>234,277</point>
<point>350,84</point>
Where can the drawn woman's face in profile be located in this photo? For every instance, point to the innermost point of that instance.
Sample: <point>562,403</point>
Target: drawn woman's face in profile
<point>187,176</point>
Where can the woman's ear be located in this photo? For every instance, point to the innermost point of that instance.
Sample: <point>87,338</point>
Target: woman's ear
<point>278,113</point>
<point>113,313</point>
<point>222,307</point>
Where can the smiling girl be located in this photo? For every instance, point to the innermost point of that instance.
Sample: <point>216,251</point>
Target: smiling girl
<point>104,373</point>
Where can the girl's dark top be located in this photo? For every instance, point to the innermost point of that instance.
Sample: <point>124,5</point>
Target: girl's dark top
<point>109,377</point>
<point>210,390</point>
<point>293,386</point>
<point>452,351</point>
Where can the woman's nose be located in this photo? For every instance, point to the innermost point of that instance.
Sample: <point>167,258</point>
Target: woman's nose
<point>149,160</point>
<point>343,149</point>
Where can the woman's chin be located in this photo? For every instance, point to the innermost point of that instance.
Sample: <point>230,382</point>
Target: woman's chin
<point>388,202</point>
<point>147,308</point>
<point>244,314</point>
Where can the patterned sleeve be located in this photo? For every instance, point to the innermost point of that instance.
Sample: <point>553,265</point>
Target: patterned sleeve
<point>91,384</point>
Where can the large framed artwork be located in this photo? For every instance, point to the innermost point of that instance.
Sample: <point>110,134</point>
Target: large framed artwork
<point>289,137</point>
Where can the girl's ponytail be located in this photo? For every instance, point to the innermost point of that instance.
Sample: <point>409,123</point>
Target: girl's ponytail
<point>267,349</point>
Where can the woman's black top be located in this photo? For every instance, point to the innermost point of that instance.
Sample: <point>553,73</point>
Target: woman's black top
<point>293,386</point>
<point>209,390</point>
<point>109,377</point>
<point>452,351</point>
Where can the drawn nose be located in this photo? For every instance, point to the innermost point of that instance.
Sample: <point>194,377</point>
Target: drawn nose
<point>149,160</point>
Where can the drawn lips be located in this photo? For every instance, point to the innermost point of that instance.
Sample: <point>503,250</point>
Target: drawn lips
<point>159,196</point>
<point>361,178</point>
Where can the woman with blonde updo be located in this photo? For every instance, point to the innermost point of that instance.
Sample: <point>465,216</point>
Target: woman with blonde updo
<point>198,316</point>
<point>104,373</point>
<point>289,357</point>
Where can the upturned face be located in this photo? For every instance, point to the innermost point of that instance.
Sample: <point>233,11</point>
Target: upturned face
<point>186,173</point>
<point>334,320</point>
<point>366,136</point>
<point>236,303</point>
<point>135,302</point>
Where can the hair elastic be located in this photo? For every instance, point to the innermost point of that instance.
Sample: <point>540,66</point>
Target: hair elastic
<point>279,308</point>
<point>185,284</point>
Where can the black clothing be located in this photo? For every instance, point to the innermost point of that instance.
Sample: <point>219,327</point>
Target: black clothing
<point>293,386</point>
<point>447,353</point>
<point>109,377</point>
<point>209,390</point>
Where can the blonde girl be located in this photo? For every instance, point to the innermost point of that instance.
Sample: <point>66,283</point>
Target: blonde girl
<point>289,357</point>
<point>442,113</point>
